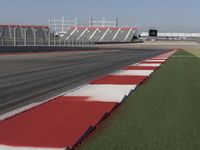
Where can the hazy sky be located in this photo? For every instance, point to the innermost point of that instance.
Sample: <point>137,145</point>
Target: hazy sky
<point>166,15</point>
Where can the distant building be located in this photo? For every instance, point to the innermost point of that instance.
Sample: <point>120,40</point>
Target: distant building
<point>172,35</point>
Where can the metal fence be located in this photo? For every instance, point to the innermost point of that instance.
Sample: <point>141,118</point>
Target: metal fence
<point>54,42</point>
<point>32,36</point>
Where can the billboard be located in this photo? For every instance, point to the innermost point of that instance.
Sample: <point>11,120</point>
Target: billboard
<point>153,32</point>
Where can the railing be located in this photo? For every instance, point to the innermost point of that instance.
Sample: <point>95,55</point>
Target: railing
<point>53,41</point>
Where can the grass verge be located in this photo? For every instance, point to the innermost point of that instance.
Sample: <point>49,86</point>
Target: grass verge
<point>194,52</point>
<point>163,113</point>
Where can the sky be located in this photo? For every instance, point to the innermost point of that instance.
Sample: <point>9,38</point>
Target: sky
<point>165,15</point>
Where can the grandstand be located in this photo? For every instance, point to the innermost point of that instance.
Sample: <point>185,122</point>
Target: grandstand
<point>65,33</point>
<point>101,34</point>
<point>97,31</point>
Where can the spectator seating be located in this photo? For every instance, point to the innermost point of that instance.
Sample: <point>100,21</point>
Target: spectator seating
<point>101,34</point>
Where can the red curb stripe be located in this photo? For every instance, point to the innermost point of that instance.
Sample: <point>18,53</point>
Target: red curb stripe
<point>59,123</point>
<point>125,80</point>
<point>140,68</point>
<point>152,62</point>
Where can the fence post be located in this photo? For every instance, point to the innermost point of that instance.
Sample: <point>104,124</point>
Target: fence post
<point>72,41</point>
<point>15,36</point>
<point>25,37</point>
<point>49,39</point>
<point>54,40</point>
<point>59,40</point>
<point>2,41</point>
<point>76,42</point>
<point>34,37</point>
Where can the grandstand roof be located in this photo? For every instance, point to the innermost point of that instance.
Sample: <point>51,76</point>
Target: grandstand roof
<point>104,28</point>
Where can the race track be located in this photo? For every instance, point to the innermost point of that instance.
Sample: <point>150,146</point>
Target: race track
<point>27,78</point>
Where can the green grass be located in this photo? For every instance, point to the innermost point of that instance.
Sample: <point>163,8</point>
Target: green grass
<point>194,52</point>
<point>163,113</point>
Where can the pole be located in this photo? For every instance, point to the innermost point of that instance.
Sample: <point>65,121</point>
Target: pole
<point>25,37</point>
<point>2,36</point>
<point>34,37</point>
<point>91,22</point>
<point>63,19</point>
<point>59,41</point>
<point>117,21</point>
<point>49,38</point>
<point>76,21</point>
<point>54,40</point>
<point>15,36</point>
<point>50,23</point>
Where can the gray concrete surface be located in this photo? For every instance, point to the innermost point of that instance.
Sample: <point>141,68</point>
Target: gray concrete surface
<point>154,45</point>
<point>27,78</point>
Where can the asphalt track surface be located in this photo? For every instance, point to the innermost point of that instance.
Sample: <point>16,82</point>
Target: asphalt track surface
<point>27,78</point>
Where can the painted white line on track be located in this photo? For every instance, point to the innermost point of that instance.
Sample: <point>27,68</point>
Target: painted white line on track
<point>104,92</point>
<point>5,147</point>
<point>32,105</point>
<point>19,110</point>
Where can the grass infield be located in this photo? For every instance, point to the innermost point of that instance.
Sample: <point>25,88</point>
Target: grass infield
<point>163,113</point>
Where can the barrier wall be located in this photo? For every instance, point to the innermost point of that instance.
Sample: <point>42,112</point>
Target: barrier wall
<point>14,49</point>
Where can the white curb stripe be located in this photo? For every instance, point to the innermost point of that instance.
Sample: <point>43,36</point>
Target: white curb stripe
<point>5,147</point>
<point>104,92</point>
<point>134,73</point>
<point>157,60</point>
<point>149,65</point>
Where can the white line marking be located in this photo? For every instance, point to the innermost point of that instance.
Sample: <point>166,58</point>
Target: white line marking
<point>30,106</point>
<point>19,110</point>
<point>5,147</point>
